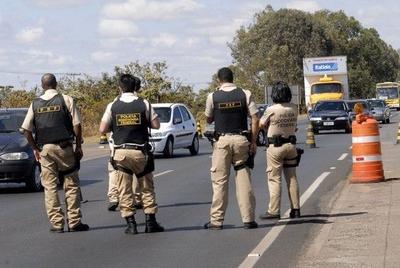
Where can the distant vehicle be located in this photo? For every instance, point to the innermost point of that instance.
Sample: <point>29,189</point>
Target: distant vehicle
<point>17,161</point>
<point>365,104</point>
<point>209,132</point>
<point>177,130</point>
<point>325,78</point>
<point>390,93</point>
<point>330,115</point>
<point>380,111</point>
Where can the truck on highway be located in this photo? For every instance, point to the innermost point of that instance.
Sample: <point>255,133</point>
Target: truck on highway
<point>325,78</point>
<point>390,93</point>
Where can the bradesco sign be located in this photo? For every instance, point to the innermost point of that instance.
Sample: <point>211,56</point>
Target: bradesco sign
<point>325,65</point>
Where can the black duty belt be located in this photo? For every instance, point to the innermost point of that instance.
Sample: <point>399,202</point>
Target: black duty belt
<point>279,140</point>
<point>129,147</point>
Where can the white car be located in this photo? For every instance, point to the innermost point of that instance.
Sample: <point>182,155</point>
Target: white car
<point>177,130</point>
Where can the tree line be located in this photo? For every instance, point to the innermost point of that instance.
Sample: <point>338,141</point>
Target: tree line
<point>269,49</point>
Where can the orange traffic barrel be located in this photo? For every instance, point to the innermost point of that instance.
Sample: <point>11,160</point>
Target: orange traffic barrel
<point>367,154</point>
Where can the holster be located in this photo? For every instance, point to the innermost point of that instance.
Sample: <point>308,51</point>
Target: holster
<point>249,163</point>
<point>150,166</point>
<point>76,167</point>
<point>297,158</point>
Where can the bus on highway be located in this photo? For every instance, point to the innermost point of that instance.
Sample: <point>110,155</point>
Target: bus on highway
<point>389,92</point>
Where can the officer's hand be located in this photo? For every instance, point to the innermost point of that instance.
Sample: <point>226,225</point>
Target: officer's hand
<point>253,148</point>
<point>37,154</point>
<point>79,152</point>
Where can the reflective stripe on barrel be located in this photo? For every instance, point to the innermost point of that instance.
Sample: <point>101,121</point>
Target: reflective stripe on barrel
<point>367,154</point>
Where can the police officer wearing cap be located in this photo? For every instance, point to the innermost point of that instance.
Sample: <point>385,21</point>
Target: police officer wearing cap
<point>129,118</point>
<point>229,108</point>
<point>56,122</point>
<point>282,156</point>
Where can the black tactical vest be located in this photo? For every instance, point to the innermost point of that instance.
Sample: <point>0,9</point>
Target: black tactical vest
<point>52,120</point>
<point>129,122</point>
<point>230,111</point>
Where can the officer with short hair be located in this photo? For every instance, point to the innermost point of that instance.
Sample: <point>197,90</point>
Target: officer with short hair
<point>112,193</point>
<point>56,121</point>
<point>129,118</point>
<point>281,121</point>
<point>229,108</point>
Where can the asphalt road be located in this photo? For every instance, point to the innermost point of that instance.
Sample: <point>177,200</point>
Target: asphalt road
<point>183,193</point>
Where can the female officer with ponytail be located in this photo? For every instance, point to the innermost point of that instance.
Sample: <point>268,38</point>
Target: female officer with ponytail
<point>280,120</point>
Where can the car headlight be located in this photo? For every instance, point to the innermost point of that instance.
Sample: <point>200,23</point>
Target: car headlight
<point>15,156</point>
<point>342,118</point>
<point>315,118</point>
<point>158,134</point>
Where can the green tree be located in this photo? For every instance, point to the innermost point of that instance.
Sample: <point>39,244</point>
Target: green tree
<point>273,48</point>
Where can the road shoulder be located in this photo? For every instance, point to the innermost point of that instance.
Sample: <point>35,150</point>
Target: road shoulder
<point>364,220</point>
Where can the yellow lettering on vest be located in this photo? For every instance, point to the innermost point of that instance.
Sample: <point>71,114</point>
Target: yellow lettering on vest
<point>128,119</point>
<point>230,105</point>
<point>49,109</point>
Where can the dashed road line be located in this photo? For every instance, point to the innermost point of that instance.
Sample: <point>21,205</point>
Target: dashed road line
<point>253,257</point>
<point>343,156</point>
<point>332,168</point>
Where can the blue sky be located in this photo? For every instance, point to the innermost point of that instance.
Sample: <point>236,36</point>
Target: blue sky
<point>92,36</point>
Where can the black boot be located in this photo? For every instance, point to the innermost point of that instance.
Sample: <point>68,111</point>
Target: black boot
<point>131,229</point>
<point>152,225</point>
<point>294,213</point>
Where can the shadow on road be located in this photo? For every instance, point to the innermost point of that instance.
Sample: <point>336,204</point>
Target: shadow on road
<point>391,179</point>
<point>333,215</point>
<point>88,182</point>
<point>185,204</point>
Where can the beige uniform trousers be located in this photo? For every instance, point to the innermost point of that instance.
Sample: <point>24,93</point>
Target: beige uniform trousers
<point>135,161</point>
<point>228,150</point>
<point>113,190</point>
<point>55,159</point>
<point>275,158</point>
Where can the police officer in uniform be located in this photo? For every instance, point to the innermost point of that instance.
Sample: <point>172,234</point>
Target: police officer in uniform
<point>281,121</point>
<point>56,121</point>
<point>229,108</point>
<point>128,118</point>
<point>112,193</point>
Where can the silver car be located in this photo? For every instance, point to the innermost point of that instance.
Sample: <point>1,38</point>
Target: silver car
<point>380,111</point>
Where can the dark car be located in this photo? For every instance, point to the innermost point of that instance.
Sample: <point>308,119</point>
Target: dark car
<point>380,111</point>
<point>364,103</point>
<point>17,161</point>
<point>261,137</point>
<point>330,115</point>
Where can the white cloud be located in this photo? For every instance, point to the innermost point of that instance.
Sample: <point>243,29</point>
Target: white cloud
<point>149,9</point>
<point>103,56</point>
<point>35,57</point>
<point>220,33</point>
<point>60,3</point>
<point>29,35</point>
<point>305,5</point>
<point>117,28</point>
<point>163,40</point>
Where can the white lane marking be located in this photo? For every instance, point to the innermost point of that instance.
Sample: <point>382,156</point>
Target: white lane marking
<point>163,173</point>
<point>270,237</point>
<point>333,168</point>
<point>343,156</point>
